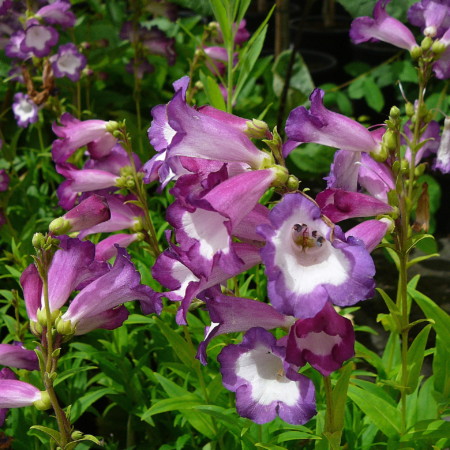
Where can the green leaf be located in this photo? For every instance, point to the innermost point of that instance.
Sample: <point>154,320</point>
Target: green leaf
<point>56,435</point>
<point>182,349</point>
<point>441,367</point>
<point>373,95</point>
<point>427,430</point>
<point>340,396</point>
<point>172,404</point>
<point>312,158</point>
<point>83,403</point>
<point>213,93</point>
<point>380,412</point>
<point>434,312</point>
<point>371,357</point>
<point>220,14</point>
<point>295,436</point>
<point>71,372</point>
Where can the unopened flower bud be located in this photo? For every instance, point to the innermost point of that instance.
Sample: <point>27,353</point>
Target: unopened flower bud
<point>59,226</point>
<point>292,183</point>
<point>404,166</point>
<point>281,175</point>
<point>394,113</point>
<point>76,435</point>
<point>389,141</point>
<point>44,402</point>
<point>112,126</point>
<point>420,169</point>
<point>416,52</point>
<point>140,237</point>
<point>256,129</point>
<point>409,108</point>
<point>38,240</point>
<point>426,43</point>
<point>381,155</point>
<point>438,48</point>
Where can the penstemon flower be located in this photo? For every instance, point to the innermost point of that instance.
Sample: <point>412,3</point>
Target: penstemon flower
<point>68,62</point>
<point>309,262</point>
<point>24,109</point>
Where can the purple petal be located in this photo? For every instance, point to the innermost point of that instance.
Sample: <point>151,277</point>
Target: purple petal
<point>18,357</point>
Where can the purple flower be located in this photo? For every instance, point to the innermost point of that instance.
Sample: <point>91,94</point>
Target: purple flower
<point>5,374</point>
<point>265,386</point>
<point>88,213</point>
<point>5,5</point>
<point>441,67</point>
<point>443,154</point>
<point>370,232</point>
<point>4,180</point>
<point>432,16</point>
<point>217,58</point>
<point>57,13</point>
<point>325,127</point>
<point>309,262</point>
<point>18,356</point>
<point>157,43</point>
<point>102,288</point>
<point>235,314</point>
<point>39,40</point>
<point>325,341</point>
<point>75,134</point>
<point>107,248</point>
<point>24,109</point>
<point>382,27</point>
<point>68,62</point>
<point>13,47</point>
<point>16,394</point>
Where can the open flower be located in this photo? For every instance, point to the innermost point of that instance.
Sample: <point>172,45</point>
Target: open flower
<point>325,341</point>
<point>382,27</point>
<point>309,262</point>
<point>265,386</point>
<point>39,39</point>
<point>68,62</point>
<point>24,109</point>
<point>432,16</point>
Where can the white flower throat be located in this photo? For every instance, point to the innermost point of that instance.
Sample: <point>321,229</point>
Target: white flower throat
<point>305,239</point>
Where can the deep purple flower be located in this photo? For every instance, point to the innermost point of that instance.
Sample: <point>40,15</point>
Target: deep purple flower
<point>5,5</point>
<point>39,40</point>
<point>25,110</point>
<point>13,47</point>
<point>4,180</point>
<point>325,341</point>
<point>15,355</point>
<point>432,16</point>
<point>265,386</point>
<point>326,127</point>
<point>382,27</point>
<point>68,62</point>
<point>157,43</point>
<point>309,262</point>
<point>371,232</point>
<point>57,13</point>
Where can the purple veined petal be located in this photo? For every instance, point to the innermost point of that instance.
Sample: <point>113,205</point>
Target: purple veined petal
<point>230,119</point>
<point>441,67</point>
<point>432,16</point>
<point>24,109</point>
<point>326,127</point>
<point>370,232</point>
<point>39,40</point>
<point>246,229</point>
<point>18,357</point>
<point>108,320</point>
<point>236,314</point>
<point>382,27</point>
<point>119,285</point>
<point>57,13</point>
<point>325,341</point>
<point>110,159</point>
<point>344,171</point>
<point>72,265</point>
<point>106,249</point>
<point>32,290</point>
<point>4,180</point>
<point>375,177</point>
<point>340,205</point>
<point>443,154</point>
<point>68,62</point>
<point>123,216</point>
<point>201,136</point>
<point>16,394</point>
<point>308,263</point>
<point>160,132</point>
<point>13,47</point>
<point>264,386</point>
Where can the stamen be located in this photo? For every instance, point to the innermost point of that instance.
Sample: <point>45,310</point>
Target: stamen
<point>304,239</point>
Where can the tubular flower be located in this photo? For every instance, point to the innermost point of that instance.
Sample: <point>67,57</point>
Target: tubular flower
<point>309,262</point>
<point>382,27</point>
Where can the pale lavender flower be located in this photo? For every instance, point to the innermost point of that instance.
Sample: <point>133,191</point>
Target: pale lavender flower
<point>17,394</point>
<point>24,109</point>
<point>382,27</point>
<point>265,386</point>
<point>443,154</point>
<point>68,62</point>
<point>57,13</point>
<point>15,355</point>
<point>39,39</point>
<point>441,67</point>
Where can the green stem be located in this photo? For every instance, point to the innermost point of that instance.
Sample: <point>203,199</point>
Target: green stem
<point>331,432</point>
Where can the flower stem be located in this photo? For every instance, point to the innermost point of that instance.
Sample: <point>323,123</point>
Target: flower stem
<point>331,432</point>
